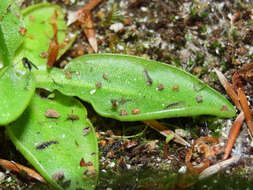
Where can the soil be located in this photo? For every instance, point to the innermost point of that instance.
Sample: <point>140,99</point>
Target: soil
<point>196,36</point>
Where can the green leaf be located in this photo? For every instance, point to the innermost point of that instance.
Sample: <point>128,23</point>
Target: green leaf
<point>39,32</point>
<point>131,88</point>
<point>56,146</point>
<point>10,26</point>
<point>16,91</point>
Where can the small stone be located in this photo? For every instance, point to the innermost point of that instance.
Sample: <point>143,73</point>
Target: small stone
<point>117,27</point>
<point>2,176</point>
<point>93,91</point>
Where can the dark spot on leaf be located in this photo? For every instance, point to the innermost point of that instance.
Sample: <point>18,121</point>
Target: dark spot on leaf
<point>93,153</point>
<point>98,84</point>
<point>91,69</point>
<point>174,104</point>
<point>123,113</point>
<point>175,88</point>
<point>115,104</point>
<point>105,77</point>
<point>224,108</point>
<point>76,143</point>
<point>52,113</point>
<point>86,130</point>
<point>135,111</point>
<point>46,144</point>
<point>199,99</point>
<point>160,87</point>
<point>148,78</point>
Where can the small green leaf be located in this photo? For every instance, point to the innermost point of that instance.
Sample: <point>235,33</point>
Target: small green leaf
<point>11,26</point>
<point>57,146</point>
<point>131,88</point>
<point>16,91</point>
<point>39,32</point>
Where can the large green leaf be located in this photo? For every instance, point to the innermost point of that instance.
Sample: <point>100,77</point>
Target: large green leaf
<point>131,88</point>
<point>56,146</point>
<point>11,26</point>
<point>16,91</point>
<point>39,32</point>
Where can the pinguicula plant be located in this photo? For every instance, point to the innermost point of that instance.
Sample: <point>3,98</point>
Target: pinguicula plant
<point>45,121</point>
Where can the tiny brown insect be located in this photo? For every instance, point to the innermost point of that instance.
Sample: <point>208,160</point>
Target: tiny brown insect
<point>224,108</point>
<point>175,88</point>
<point>98,84</point>
<point>123,113</point>
<point>22,30</point>
<point>73,117</point>
<point>43,54</point>
<point>135,111</point>
<point>199,99</point>
<point>115,103</point>
<point>50,113</point>
<point>105,76</point>
<point>160,87</point>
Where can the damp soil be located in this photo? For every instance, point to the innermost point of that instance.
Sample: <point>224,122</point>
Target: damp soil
<point>196,36</point>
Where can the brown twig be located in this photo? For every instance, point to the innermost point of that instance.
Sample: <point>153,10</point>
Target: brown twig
<point>233,134</point>
<point>246,110</point>
<point>10,165</point>
<point>229,89</point>
<point>165,132</point>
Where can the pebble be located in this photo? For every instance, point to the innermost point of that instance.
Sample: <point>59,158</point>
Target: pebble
<point>116,27</point>
<point>2,176</point>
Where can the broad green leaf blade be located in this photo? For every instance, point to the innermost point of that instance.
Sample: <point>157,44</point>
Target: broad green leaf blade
<point>56,146</point>
<point>16,91</point>
<point>39,32</point>
<point>131,88</point>
<point>11,26</point>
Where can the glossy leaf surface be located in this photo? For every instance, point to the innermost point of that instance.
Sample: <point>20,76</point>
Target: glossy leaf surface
<point>16,91</point>
<point>11,26</point>
<point>131,88</point>
<point>39,32</point>
<point>57,146</point>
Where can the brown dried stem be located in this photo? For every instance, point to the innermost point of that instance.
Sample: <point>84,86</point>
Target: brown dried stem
<point>233,134</point>
<point>246,110</point>
<point>10,165</point>
<point>229,89</point>
<point>165,132</point>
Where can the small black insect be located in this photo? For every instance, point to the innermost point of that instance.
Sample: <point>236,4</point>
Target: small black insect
<point>28,64</point>
<point>46,144</point>
<point>174,104</point>
<point>149,80</point>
